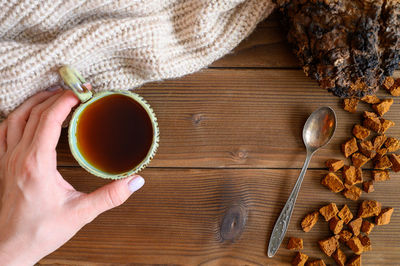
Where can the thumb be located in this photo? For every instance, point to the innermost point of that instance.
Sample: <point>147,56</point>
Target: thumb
<point>111,195</point>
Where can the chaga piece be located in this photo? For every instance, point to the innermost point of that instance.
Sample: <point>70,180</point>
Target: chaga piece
<point>378,141</point>
<point>373,123</point>
<point>379,175</point>
<point>295,243</point>
<point>392,144</point>
<point>384,217</point>
<point>300,259</point>
<point>354,261</point>
<point>329,245</point>
<point>316,263</point>
<point>367,114</point>
<point>352,193</point>
<point>349,147</point>
<point>339,257</point>
<point>369,208</point>
<point>360,132</point>
<point>367,148</point>
<point>334,165</point>
<point>333,182</point>
<point>355,245</point>
<point>335,225</point>
<point>350,105</point>
<point>365,242</point>
<point>385,125</point>
<point>329,211</point>
<point>395,88</point>
<point>359,159</point>
<point>368,186</point>
<point>382,163</point>
<point>348,46</point>
<point>351,175</point>
<point>379,153</point>
<point>309,221</point>
<point>372,99</point>
<point>388,83</point>
<point>345,235</point>
<point>395,160</point>
<point>345,214</point>
<point>367,227</point>
<point>383,107</point>
<point>355,226</point>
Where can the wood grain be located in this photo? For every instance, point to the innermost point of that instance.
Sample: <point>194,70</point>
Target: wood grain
<point>176,219</point>
<point>241,118</point>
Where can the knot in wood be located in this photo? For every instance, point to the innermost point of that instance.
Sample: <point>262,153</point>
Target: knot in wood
<point>197,118</point>
<point>233,222</point>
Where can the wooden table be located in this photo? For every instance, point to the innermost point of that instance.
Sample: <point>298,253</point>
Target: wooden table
<point>230,152</point>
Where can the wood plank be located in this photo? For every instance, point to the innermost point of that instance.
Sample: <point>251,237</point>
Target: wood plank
<point>176,219</point>
<point>266,47</point>
<point>241,118</point>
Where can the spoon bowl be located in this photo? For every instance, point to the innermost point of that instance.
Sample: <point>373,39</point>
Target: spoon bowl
<point>317,132</point>
<point>319,128</point>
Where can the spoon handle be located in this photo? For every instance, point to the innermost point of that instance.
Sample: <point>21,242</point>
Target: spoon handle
<point>282,224</point>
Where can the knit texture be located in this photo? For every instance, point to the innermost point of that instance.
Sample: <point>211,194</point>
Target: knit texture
<point>115,44</point>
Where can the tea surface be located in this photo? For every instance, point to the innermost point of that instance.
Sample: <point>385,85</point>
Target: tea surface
<point>114,133</point>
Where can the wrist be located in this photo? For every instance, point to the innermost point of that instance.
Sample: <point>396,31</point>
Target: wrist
<point>14,253</point>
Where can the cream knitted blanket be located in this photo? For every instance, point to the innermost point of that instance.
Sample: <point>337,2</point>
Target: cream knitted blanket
<point>115,44</point>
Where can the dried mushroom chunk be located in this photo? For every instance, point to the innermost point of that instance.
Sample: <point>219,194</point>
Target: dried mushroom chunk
<point>365,242</point>
<point>384,216</point>
<point>354,261</point>
<point>355,226</point>
<point>368,186</point>
<point>352,193</point>
<point>309,221</point>
<point>351,175</point>
<point>300,259</point>
<point>355,245</point>
<point>316,263</point>
<point>382,163</point>
<point>349,147</point>
<point>388,83</point>
<point>385,125</point>
<point>367,148</point>
<point>395,160</point>
<point>392,144</point>
<point>360,132</point>
<point>369,208</point>
<point>345,235</point>
<point>333,182</point>
<point>380,175</point>
<point>372,99</point>
<point>295,243</point>
<point>339,257</point>
<point>373,123</point>
<point>367,227</point>
<point>359,159</point>
<point>350,104</point>
<point>345,214</point>
<point>329,245</point>
<point>329,211</point>
<point>378,141</point>
<point>367,114</point>
<point>395,88</point>
<point>334,165</point>
<point>382,107</point>
<point>335,225</point>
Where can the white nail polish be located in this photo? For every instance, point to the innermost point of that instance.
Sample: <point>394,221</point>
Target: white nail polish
<point>136,183</point>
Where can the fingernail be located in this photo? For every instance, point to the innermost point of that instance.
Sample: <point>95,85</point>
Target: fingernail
<point>136,183</point>
<point>54,88</point>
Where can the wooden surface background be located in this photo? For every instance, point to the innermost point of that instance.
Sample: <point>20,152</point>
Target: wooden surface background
<point>230,141</point>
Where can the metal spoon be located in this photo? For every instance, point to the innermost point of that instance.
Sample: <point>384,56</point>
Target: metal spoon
<point>317,132</point>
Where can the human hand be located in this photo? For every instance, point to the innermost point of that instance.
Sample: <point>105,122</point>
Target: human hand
<point>39,210</point>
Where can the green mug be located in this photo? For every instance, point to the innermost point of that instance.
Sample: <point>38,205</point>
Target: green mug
<point>112,134</point>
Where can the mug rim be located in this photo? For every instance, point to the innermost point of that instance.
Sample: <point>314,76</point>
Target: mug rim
<point>72,140</point>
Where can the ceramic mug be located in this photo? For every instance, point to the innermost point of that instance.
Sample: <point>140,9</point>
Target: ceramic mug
<point>89,100</point>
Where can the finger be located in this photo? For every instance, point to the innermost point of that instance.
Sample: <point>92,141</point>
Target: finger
<point>16,121</point>
<point>34,117</point>
<point>110,196</point>
<point>49,128</point>
<point>3,137</point>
